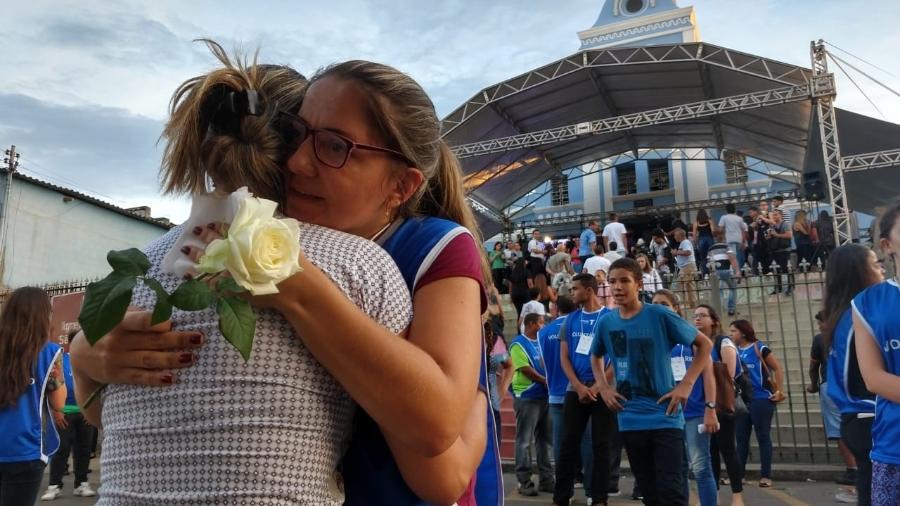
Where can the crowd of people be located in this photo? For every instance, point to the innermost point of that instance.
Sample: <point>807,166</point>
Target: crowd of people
<point>684,397</point>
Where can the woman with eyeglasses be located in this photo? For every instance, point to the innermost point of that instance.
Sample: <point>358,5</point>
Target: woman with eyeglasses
<point>707,320</point>
<point>364,157</point>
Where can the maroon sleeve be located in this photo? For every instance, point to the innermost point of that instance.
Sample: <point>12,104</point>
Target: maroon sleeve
<point>460,258</point>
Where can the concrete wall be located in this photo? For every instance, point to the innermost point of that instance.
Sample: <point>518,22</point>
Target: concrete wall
<point>50,240</point>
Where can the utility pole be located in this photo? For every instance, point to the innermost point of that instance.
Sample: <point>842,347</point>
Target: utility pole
<point>12,162</point>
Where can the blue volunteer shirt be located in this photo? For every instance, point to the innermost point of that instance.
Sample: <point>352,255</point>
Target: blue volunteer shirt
<point>640,348</point>
<point>751,360</point>
<point>70,381</point>
<point>578,333</point>
<point>877,307</point>
<point>682,358</point>
<point>846,387</point>
<point>556,378</point>
<point>28,430</point>
<point>584,245</point>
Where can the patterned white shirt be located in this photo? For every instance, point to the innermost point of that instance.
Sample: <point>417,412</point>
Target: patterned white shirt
<point>269,431</point>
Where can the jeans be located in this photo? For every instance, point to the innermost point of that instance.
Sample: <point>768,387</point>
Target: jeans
<point>703,245</point>
<point>20,482</point>
<point>761,260</point>
<point>857,435</point>
<point>759,419</point>
<point>738,252</point>
<point>532,425</point>
<point>725,278</point>
<point>575,418</point>
<point>78,435</point>
<point>587,461</point>
<point>698,456</point>
<point>656,461</point>
<point>722,442</point>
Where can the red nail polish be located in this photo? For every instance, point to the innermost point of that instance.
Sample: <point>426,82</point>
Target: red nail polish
<point>167,379</point>
<point>185,358</point>
<point>197,339</point>
<point>186,250</point>
<point>197,230</point>
<point>187,276</point>
<point>211,226</point>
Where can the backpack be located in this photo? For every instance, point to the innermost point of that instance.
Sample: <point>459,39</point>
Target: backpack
<point>742,385</point>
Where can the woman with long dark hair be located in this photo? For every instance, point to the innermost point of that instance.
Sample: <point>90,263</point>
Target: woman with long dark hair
<point>704,234</point>
<point>875,319</point>
<point>766,375</point>
<point>31,383</point>
<point>850,270</point>
<point>519,283</point>
<point>707,320</point>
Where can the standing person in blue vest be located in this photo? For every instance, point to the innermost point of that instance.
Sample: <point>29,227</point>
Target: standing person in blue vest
<point>875,321</point>
<point>588,241</point>
<point>374,166</point>
<point>530,396</point>
<point>32,385</point>
<point>639,338</point>
<point>74,434</point>
<point>576,337</point>
<point>850,269</point>
<point>548,338</point>
<point>766,375</point>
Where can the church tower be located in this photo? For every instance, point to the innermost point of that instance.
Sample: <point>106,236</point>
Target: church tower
<point>641,23</point>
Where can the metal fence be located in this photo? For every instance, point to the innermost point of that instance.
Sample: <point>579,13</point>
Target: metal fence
<point>52,289</point>
<point>786,323</point>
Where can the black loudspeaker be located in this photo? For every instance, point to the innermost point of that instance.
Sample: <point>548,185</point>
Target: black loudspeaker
<point>813,186</point>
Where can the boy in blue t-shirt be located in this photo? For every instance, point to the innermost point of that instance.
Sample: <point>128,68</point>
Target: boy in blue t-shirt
<point>638,339</point>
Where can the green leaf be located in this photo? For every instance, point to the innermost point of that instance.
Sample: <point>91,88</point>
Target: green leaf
<point>105,303</point>
<point>228,284</point>
<point>128,262</point>
<point>162,311</point>
<point>192,295</point>
<point>237,322</point>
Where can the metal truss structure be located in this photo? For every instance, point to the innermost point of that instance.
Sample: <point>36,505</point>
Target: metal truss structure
<point>868,161</point>
<point>818,87</point>
<point>595,58</point>
<point>656,210</point>
<point>831,146</point>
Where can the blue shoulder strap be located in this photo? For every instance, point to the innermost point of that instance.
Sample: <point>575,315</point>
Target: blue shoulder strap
<point>371,475</point>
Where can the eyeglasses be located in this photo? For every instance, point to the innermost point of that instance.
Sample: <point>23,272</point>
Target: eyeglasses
<point>701,315</point>
<point>330,148</point>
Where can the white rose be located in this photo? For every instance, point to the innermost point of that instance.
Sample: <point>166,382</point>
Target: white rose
<point>259,250</point>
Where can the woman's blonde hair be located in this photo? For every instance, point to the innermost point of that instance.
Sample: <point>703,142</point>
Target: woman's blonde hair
<point>407,120</point>
<point>211,138</point>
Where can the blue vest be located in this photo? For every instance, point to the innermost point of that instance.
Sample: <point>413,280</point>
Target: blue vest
<point>696,402</point>
<point>580,324</point>
<point>877,307</point>
<point>754,367</point>
<point>27,427</point>
<point>70,381</point>
<point>371,475</point>
<point>536,361</point>
<point>845,384</point>
<point>556,378</point>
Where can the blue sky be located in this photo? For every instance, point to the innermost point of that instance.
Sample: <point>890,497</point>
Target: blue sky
<point>85,84</point>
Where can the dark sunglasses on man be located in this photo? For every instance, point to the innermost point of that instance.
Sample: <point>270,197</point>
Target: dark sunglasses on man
<point>330,148</point>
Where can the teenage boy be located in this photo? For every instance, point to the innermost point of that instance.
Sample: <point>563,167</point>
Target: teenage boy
<point>576,338</point>
<point>557,383</point>
<point>529,386</point>
<point>638,339</point>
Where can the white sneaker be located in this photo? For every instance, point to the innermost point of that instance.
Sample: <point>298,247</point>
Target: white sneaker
<point>84,490</point>
<point>53,492</point>
<point>846,496</point>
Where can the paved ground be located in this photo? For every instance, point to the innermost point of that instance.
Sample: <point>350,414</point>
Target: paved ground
<point>784,493</point>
